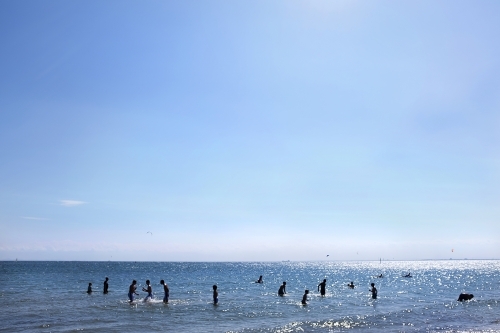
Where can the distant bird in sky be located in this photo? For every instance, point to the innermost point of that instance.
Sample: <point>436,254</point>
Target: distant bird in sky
<point>149,232</point>
<point>327,255</point>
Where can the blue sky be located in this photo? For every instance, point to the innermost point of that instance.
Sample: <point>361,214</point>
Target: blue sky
<point>249,130</point>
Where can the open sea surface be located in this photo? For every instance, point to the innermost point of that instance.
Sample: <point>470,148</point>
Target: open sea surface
<point>51,297</point>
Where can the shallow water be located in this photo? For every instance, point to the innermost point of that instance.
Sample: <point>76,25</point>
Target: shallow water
<point>51,297</point>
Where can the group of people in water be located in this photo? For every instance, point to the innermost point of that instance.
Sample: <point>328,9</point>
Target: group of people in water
<point>132,290</point>
<point>133,287</point>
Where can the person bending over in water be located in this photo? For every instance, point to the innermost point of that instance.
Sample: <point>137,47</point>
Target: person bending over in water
<point>89,289</point>
<point>149,290</point>
<point>323,287</point>
<point>259,280</point>
<point>351,285</point>
<point>304,298</point>
<point>215,295</point>
<point>374,291</point>
<point>105,290</point>
<point>282,290</point>
<point>166,290</point>
<point>131,291</point>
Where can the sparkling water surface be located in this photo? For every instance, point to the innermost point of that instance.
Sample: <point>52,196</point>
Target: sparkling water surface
<point>51,297</point>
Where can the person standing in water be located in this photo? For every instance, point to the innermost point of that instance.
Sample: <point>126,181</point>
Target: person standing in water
<point>105,289</point>
<point>131,291</point>
<point>215,295</point>
<point>351,285</point>
<point>259,280</point>
<point>323,287</point>
<point>374,291</point>
<point>166,290</point>
<point>89,289</point>
<point>149,290</point>
<point>282,290</point>
<point>304,298</point>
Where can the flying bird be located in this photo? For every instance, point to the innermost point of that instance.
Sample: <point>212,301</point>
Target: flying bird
<point>149,232</point>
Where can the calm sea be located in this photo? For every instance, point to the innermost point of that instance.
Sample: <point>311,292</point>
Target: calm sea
<point>51,297</point>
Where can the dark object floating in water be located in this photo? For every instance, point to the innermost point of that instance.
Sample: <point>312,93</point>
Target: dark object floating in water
<point>465,297</point>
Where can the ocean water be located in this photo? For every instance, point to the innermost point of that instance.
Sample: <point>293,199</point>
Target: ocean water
<point>51,297</point>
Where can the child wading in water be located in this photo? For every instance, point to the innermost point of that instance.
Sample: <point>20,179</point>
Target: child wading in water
<point>131,291</point>
<point>149,290</point>
<point>106,285</point>
<point>374,291</point>
<point>166,290</point>
<point>282,290</point>
<point>304,298</point>
<point>215,295</point>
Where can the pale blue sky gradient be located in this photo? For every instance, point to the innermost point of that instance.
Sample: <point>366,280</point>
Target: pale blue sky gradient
<point>249,130</point>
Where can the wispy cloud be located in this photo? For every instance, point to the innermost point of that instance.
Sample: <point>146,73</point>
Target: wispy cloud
<point>34,218</point>
<point>71,203</point>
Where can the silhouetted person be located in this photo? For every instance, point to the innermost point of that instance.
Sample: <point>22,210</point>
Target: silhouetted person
<point>149,290</point>
<point>351,285</point>
<point>259,280</point>
<point>323,287</point>
<point>215,295</point>
<point>304,298</point>
<point>374,291</point>
<point>166,290</point>
<point>105,289</point>
<point>89,289</point>
<point>282,290</point>
<point>131,291</point>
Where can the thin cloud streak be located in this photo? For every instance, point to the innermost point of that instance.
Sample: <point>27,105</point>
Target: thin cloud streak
<point>71,203</point>
<point>35,218</point>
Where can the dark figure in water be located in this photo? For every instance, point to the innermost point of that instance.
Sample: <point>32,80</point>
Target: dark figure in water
<point>323,287</point>
<point>215,295</point>
<point>465,297</point>
<point>105,290</point>
<point>149,290</point>
<point>282,290</point>
<point>259,280</point>
<point>131,291</point>
<point>408,275</point>
<point>374,291</point>
<point>89,289</point>
<point>166,290</point>
<point>380,276</point>
<point>304,298</point>
<point>351,285</point>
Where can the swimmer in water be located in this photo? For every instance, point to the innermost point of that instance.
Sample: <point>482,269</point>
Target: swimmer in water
<point>89,289</point>
<point>215,295</point>
<point>131,291</point>
<point>149,290</point>
<point>374,291</point>
<point>304,298</point>
<point>323,287</point>
<point>380,276</point>
<point>105,290</point>
<point>282,290</point>
<point>259,280</point>
<point>166,290</point>
<point>351,285</point>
